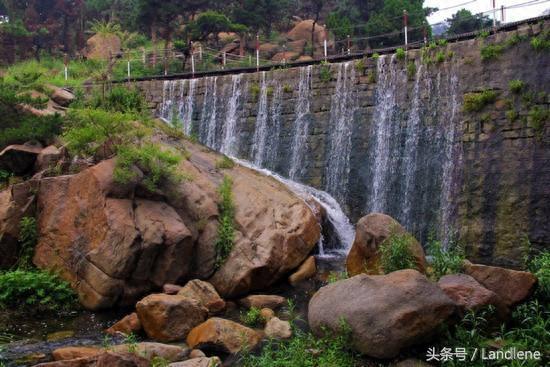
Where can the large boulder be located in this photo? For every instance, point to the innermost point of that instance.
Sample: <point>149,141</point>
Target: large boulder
<point>19,159</point>
<point>371,232</point>
<point>169,317</point>
<point>511,286</point>
<point>386,313</point>
<point>61,96</point>
<point>16,201</point>
<point>147,350</point>
<point>111,249</point>
<point>102,46</point>
<point>205,293</point>
<point>47,158</point>
<point>302,31</point>
<point>222,335</point>
<point>285,56</point>
<point>467,293</point>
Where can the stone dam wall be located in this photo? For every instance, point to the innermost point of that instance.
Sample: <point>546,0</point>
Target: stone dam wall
<point>437,139</point>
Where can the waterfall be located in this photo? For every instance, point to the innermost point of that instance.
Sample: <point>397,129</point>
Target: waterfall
<point>261,132</point>
<point>186,109</point>
<point>208,122</point>
<point>179,105</point>
<point>411,150</point>
<point>229,142</point>
<point>301,124</point>
<point>343,106</point>
<point>383,117</point>
<point>168,98</point>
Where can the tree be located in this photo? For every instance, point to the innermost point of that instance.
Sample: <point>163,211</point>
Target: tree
<point>123,12</point>
<point>314,8</point>
<point>386,23</point>
<point>212,22</point>
<point>260,14</point>
<point>464,21</point>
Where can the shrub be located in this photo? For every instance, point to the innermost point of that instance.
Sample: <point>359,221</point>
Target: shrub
<point>28,127</point>
<point>305,350</point>
<point>159,166</point>
<point>440,57</point>
<point>121,99</point>
<point>375,56</point>
<point>530,328</point>
<point>395,253</point>
<point>287,88</point>
<point>324,73</point>
<point>226,230</point>
<point>28,238</point>
<point>443,261</point>
<point>537,117</point>
<point>225,163</point>
<point>360,66</point>
<point>516,85</point>
<point>400,54</point>
<point>254,90</point>
<point>512,115</point>
<point>411,70</point>
<point>35,291</point>
<point>491,52</point>
<point>252,317</point>
<point>474,102</point>
<point>540,266</point>
<point>541,42</point>
<point>88,130</point>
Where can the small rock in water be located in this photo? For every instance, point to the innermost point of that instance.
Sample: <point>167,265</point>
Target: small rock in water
<point>127,325</point>
<point>304,272</point>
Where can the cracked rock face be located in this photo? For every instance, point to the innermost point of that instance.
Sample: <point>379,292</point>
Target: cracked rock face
<point>114,243</point>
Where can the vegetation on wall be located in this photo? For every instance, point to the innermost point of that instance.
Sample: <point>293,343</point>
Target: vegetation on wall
<point>395,253</point>
<point>476,101</point>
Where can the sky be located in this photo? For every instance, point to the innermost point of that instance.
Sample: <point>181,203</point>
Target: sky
<point>531,8</point>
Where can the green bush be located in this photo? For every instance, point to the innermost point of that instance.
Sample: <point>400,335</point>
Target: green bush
<point>324,73</point>
<point>159,166</point>
<point>400,54</point>
<point>335,276</point>
<point>440,56</point>
<point>540,266</point>
<point>226,229</point>
<point>28,237</point>
<point>121,99</point>
<point>491,52</point>
<point>541,42</point>
<point>538,117</point>
<point>395,253</point>
<point>516,85</point>
<point>87,130</point>
<point>445,262</point>
<point>305,350</point>
<point>252,317</point>
<point>474,102</point>
<point>29,127</point>
<point>35,291</point>
<point>375,56</point>
<point>225,163</point>
<point>512,115</point>
<point>360,66</point>
<point>411,70</point>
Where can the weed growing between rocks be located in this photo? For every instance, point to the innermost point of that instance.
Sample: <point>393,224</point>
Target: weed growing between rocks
<point>396,254</point>
<point>225,163</point>
<point>445,261</point>
<point>540,267</point>
<point>516,86</point>
<point>226,228</point>
<point>305,350</point>
<point>400,54</point>
<point>28,238</point>
<point>324,73</point>
<point>252,317</point>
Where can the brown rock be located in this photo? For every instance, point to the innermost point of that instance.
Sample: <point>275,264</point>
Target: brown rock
<point>371,232</point>
<point>304,58</point>
<point>111,249</point>
<point>198,362</point>
<point>386,313</point>
<point>304,272</point>
<point>148,350</point>
<point>169,318</point>
<point>196,353</point>
<point>297,46</point>
<point>411,362</point>
<point>66,353</point>
<point>61,96</point>
<point>18,159</point>
<point>262,301</point>
<point>47,158</point>
<point>511,286</point>
<point>205,293</point>
<point>125,359</point>
<point>127,325</point>
<point>276,328</point>
<point>267,314</point>
<point>267,50</point>
<point>171,288</point>
<point>101,47</point>
<point>285,56</point>
<point>222,335</point>
<point>302,31</point>
<point>16,202</point>
<point>466,292</point>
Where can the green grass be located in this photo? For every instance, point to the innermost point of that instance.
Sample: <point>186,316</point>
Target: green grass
<point>226,227</point>
<point>538,117</point>
<point>225,163</point>
<point>325,74</point>
<point>440,56</point>
<point>335,276</point>
<point>35,291</point>
<point>475,102</point>
<point>490,52</point>
<point>400,54</point>
<point>395,253</point>
<point>305,350</point>
<point>445,261</point>
<point>540,266</point>
<point>159,166</point>
<point>252,317</point>
<point>516,86</point>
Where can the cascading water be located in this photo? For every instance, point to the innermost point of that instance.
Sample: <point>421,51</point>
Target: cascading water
<point>208,123</point>
<point>230,135</point>
<point>301,124</point>
<point>179,106</point>
<point>342,109</point>
<point>261,132</point>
